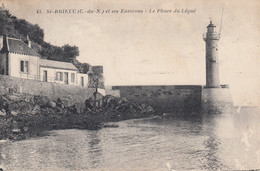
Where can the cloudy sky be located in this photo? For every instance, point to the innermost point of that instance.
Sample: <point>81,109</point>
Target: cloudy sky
<point>156,48</point>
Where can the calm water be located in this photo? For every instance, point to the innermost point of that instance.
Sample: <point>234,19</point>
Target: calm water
<point>227,141</point>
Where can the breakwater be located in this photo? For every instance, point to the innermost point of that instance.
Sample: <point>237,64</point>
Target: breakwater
<point>173,98</point>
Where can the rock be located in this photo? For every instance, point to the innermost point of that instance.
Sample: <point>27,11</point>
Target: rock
<point>41,100</point>
<point>117,104</point>
<point>65,102</point>
<point>89,104</point>
<point>95,101</point>
<point>145,108</point>
<point>7,108</point>
<point>112,102</point>
<point>127,108</point>
<point>21,106</point>
<point>3,102</point>
<point>72,109</point>
<point>97,95</point>
<point>28,99</point>
<point>2,112</point>
<point>123,101</point>
<point>16,130</point>
<point>14,113</point>
<point>2,90</point>
<point>35,110</point>
<point>51,104</point>
<point>134,108</point>
<point>59,104</point>
<point>13,97</point>
<point>150,109</point>
<point>121,108</point>
<point>25,129</point>
<point>47,111</point>
<point>87,109</point>
<point>11,90</point>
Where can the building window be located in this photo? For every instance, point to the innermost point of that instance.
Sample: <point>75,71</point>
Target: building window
<point>72,77</point>
<point>59,76</point>
<point>24,66</point>
<point>82,81</point>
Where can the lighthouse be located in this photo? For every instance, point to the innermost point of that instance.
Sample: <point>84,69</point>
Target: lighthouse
<point>211,39</point>
<point>215,97</point>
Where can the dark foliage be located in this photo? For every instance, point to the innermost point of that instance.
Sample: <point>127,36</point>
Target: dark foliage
<point>65,53</point>
<point>20,28</point>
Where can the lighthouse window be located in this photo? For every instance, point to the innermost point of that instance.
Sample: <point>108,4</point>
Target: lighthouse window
<point>211,29</point>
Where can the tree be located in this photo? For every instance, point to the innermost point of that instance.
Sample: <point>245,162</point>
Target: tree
<point>20,28</point>
<point>69,53</point>
<point>95,83</point>
<point>36,34</point>
<point>96,79</point>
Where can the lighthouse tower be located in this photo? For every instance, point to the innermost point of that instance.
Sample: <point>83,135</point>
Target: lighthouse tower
<point>211,39</point>
<point>215,97</point>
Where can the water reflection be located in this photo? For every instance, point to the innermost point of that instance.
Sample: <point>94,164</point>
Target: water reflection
<point>212,144</point>
<point>95,149</point>
<point>223,141</point>
<point>234,139</point>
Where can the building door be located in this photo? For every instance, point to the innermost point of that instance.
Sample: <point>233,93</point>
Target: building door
<point>66,78</point>
<point>45,76</point>
<point>82,81</point>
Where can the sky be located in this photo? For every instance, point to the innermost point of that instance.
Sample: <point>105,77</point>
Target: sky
<point>156,48</point>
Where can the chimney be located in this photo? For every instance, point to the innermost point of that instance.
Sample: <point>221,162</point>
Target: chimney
<point>28,41</point>
<point>3,6</point>
<point>1,42</point>
<point>5,44</point>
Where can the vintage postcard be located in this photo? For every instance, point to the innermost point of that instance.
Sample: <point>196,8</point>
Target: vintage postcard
<point>129,85</point>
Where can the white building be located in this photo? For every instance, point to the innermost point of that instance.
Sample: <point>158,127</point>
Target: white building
<point>18,59</point>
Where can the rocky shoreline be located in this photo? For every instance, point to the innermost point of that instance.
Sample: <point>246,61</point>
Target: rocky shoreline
<point>23,115</point>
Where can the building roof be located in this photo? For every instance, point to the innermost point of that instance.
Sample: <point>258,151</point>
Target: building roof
<point>18,46</point>
<point>57,64</point>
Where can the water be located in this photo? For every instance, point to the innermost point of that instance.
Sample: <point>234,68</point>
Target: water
<point>226,141</point>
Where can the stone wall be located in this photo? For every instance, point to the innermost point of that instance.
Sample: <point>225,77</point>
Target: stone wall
<point>76,94</point>
<point>164,98</point>
<point>216,100</point>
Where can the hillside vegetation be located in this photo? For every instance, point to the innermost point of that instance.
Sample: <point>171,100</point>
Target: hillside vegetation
<point>20,28</point>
